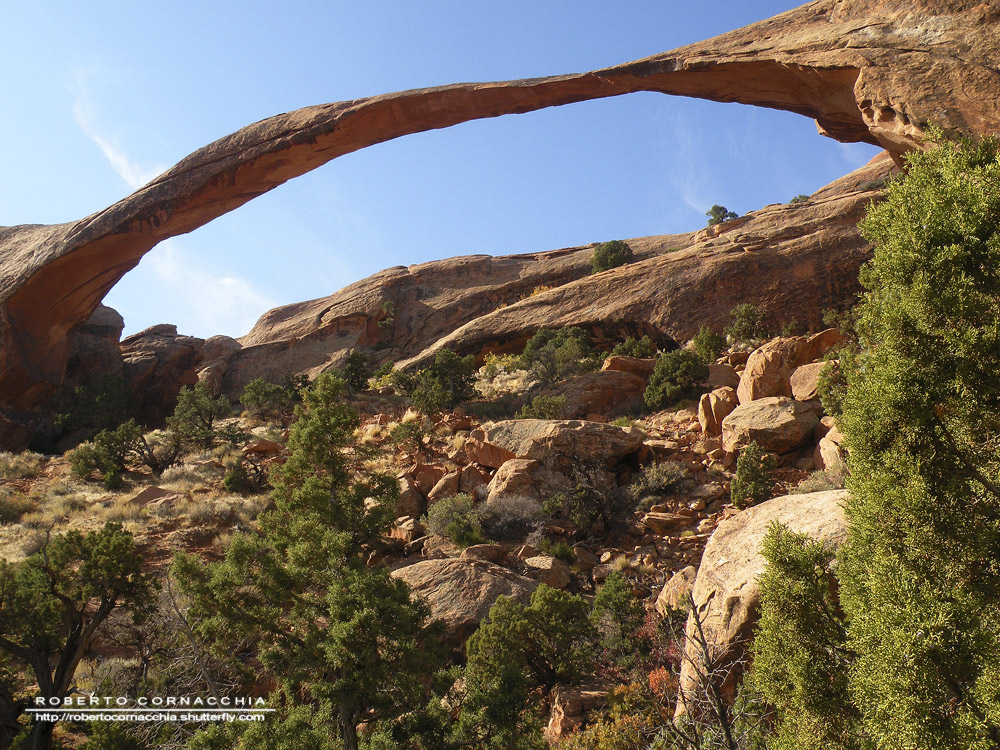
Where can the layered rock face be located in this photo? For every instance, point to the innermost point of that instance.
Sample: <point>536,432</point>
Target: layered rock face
<point>878,73</point>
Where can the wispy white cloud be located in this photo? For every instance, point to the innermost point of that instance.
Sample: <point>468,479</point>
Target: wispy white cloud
<point>134,174</point>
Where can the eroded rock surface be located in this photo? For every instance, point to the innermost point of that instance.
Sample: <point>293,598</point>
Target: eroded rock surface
<point>878,74</point>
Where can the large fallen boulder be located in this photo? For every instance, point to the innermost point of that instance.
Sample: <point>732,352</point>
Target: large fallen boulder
<point>600,392</point>
<point>561,443</point>
<point>726,596</point>
<point>460,591</point>
<point>766,374</point>
<point>776,424</point>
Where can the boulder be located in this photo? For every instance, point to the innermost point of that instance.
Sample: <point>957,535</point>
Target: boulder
<point>722,376</point>
<point>411,501</point>
<point>446,486</point>
<point>528,478</point>
<point>766,374</point>
<point>564,443</point>
<point>715,407</point>
<point>805,381</point>
<point>600,392</point>
<point>486,454</point>
<point>549,570</point>
<point>673,595</point>
<point>570,705</point>
<point>829,456</point>
<point>472,478</point>
<point>461,591</point>
<point>777,424</point>
<point>725,591</point>
<point>493,553</point>
<point>664,523</point>
<point>426,476</point>
<point>637,366</point>
<point>818,345</point>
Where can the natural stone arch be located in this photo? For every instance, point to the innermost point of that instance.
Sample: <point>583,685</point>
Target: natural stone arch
<point>861,78</point>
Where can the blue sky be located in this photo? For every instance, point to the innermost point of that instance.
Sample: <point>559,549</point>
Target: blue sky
<point>102,96</point>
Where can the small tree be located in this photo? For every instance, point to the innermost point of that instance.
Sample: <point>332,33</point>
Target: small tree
<point>357,370</point>
<point>543,407</point>
<point>557,353</point>
<point>746,323</point>
<point>617,616</point>
<point>675,374</point>
<point>194,417</point>
<point>752,483</point>
<point>54,603</point>
<point>643,348</point>
<point>455,517</point>
<point>718,214</point>
<point>446,383</point>
<point>264,400</point>
<point>611,255</point>
<point>708,344</point>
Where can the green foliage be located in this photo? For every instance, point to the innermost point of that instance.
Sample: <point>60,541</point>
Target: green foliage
<point>746,323</point>
<point>54,603</point>
<point>266,401</point>
<point>643,348</point>
<point>455,517</point>
<point>510,517</point>
<point>446,383</point>
<point>551,639</point>
<point>920,574</point>
<point>12,505</point>
<point>357,370</point>
<point>558,353</point>
<point>708,344</point>
<point>111,451</point>
<point>718,214</point>
<point>752,483</point>
<point>195,414</point>
<point>831,386</point>
<point>100,405</point>
<point>675,374</point>
<point>663,478</point>
<point>800,198</point>
<point>337,636</point>
<point>237,479</point>
<point>592,505</point>
<point>617,616</point>
<point>559,549</point>
<point>611,255</point>
<point>800,659</point>
<point>409,435</point>
<point>543,407</point>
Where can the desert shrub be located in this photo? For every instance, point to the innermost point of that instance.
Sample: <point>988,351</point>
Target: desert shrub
<point>20,465</point>
<point>447,382</point>
<point>801,198</point>
<point>663,478</point>
<point>195,414</point>
<point>718,214</point>
<point>263,400</point>
<point>752,481</point>
<point>357,370</point>
<point>409,435</point>
<point>831,386</point>
<point>555,354</point>
<point>819,481</point>
<point>502,407</point>
<point>510,517</point>
<point>591,503</point>
<point>455,517</point>
<point>102,404</point>
<point>495,364</point>
<point>107,455</point>
<point>609,255</point>
<point>237,479</point>
<point>233,434</point>
<point>643,348</point>
<point>708,344</point>
<point>559,549</point>
<point>676,373</point>
<point>543,407</point>
<point>617,615</point>
<point>12,505</point>
<point>746,323</point>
